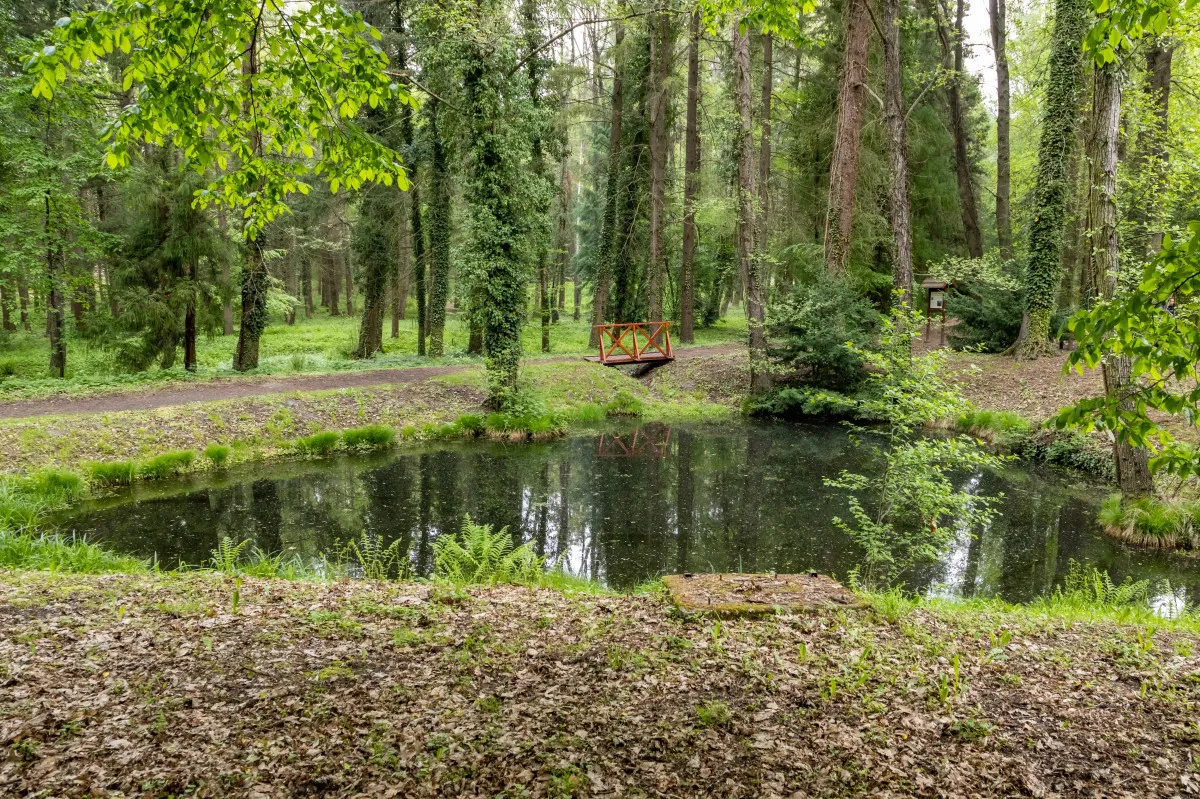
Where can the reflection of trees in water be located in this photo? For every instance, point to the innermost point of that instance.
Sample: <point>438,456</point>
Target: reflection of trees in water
<point>715,498</point>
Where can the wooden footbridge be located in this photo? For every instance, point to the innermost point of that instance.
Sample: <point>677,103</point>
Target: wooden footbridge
<point>634,342</point>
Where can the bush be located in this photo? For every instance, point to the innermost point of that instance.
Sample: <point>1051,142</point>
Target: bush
<point>989,318</point>
<point>804,401</point>
<point>810,328</point>
<point>624,403</point>
<point>217,454</point>
<point>318,443</point>
<point>371,436</point>
<point>112,473</point>
<point>484,557</point>
<point>7,369</point>
<point>165,465</point>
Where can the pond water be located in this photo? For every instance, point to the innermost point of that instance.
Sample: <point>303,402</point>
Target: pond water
<point>626,506</point>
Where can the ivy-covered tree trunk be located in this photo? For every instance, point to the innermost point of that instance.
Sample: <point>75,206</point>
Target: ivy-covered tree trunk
<point>749,260</point>
<point>997,14</point>
<point>439,234</point>
<point>1133,471</point>
<point>764,162</point>
<point>609,236</point>
<point>377,250</point>
<point>847,140</point>
<point>1152,160</point>
<point>691,184</point>
<point>254,270</point>
<point>899,208</point>
<point>1052,190</point>
<point>540,205</point>
<point>419,257</point>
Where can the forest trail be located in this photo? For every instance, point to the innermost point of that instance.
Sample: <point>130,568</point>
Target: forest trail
<point>225,388</point>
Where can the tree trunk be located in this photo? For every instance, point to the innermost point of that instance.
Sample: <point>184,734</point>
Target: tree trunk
<point>749,260</point>
<point>54,304</point>
<point>189,337</point>
<point>254,273</point>
<point>23,299</point>
<point>1133,473</point>
<point>1152,147</point>
<point>997,14</point>
<point>348,269</point>
<point>226,289</point>
<point>608,232</point>
<point>404,264</point>
<point>952,54</point>
<point>899,208</point>
<point>764,157</point>
<point>691,184</point>
<point>1051,187</point>
<point>439,238</point>
<point>843,167</point>
<point>662,45</point>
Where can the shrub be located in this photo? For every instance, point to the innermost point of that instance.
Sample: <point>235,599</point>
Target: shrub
<point>484,557</point>
<point>806,401</point>
<point>811,328</point>
<point>112,473</point>
<point>1090,586</point>
<point>371,436</point>
<point>217,454</point>
<point>989,318</point>
<point>1071,450</point>
<point>624,404</point>
<point>165,465</point>
<point>318,443</point>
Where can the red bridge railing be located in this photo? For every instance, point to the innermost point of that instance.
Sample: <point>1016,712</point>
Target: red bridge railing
<point>635,342</point>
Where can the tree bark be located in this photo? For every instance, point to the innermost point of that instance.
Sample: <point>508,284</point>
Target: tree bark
<point>254,273</point>
<point>1152,148</point>
<point>843,167</point>
<point>55,328</point>
<point>952,53</point>
<point>899,207</point>
<point>662,45</point>
<point>997,14</point>
<point>764,154</point>
<point>1133,472</point>
<point>439,238</point>
<point>1051,188</point>
<point>691,184</point>
<point>609,237</point>
<point>749,260</point>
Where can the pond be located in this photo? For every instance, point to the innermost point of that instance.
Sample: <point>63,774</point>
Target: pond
<point>625,506</point>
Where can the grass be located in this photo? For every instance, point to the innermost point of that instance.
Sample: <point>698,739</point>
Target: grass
<point>112,473</point>
<point>58,553</point>
<point>318,443</point>
<point>371,436</point>
<point>217,454</point>
<point>1150,522</point>
<point>167,464</point>
<point>997,427</point>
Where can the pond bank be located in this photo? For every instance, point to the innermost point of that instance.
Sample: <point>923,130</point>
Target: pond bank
<point>153,685</point>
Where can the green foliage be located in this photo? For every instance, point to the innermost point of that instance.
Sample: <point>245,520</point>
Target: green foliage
<point>112,472</point>
<point>56,486</point>
<point>1090,586</point>
<point>166,465</point>
<point>59,553</point>
<point>989,317</point>
<point>371,436</point>
<point>624,403</point>
<point>471,424</point>
<point>714,714</point>
<point>227,554</point>
<point>589,413</point>
<point>913,499</point>
<point>817,331</point>
<point>1070,450</point>
<point>374,559</point>
<point>806,401</point>
<point>318,443</point>
<point>1148,521</point>
<point>217,454</point>
<point>478,556</point>
<point>1002,427</point>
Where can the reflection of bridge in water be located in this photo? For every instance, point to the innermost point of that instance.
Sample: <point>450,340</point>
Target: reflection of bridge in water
<point>651,441</point>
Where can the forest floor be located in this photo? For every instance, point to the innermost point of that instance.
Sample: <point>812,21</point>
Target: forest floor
<point>163,686</point>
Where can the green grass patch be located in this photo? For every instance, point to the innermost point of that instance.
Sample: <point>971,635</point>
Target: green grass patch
<point>1150,522</point>
<point>112,473</point>
<point>371,436</point>
<point>320,443</point>
<point>217,454</point>
<point>166,465</point>
<point>624,403</point>
<point>998,427</point>
<point>58,553</point>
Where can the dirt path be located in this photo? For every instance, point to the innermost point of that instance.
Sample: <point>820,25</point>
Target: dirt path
<point>237,388</point>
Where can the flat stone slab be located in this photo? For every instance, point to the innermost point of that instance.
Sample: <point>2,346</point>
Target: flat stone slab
<point>758,594</point>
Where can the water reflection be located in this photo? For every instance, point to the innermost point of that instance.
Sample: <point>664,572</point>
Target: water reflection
<point>624,507</point>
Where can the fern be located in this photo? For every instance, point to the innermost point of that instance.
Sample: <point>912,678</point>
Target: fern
<point>1094,587</point>
<point>227,554</point>
<point>374,559</point>
<point>485,557</point>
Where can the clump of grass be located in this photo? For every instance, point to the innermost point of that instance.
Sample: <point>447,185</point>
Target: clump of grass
<point>8,369</point>
<point>166,465</point>
<point>112,473</point>
<point>997,427</point>
<point>300,362</point>
<point>714,714</point>
<point>479,556</point>
<point>318,443</point>
<point>470,424</point>
<point>624,403</point>
<point>370,436</point>
<point>56,486</point>
<point>56,552</point>
<point>1149,522</point>
<point>19,510</point>
<point>517,427</point>
<point>589,413</point>
<point>217,454</point>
